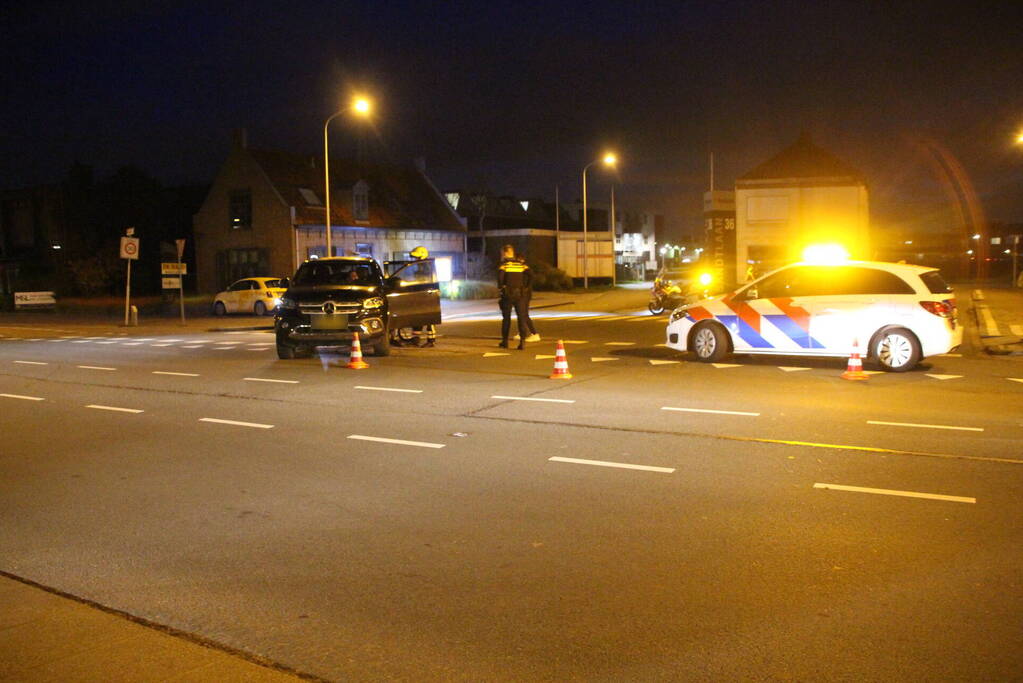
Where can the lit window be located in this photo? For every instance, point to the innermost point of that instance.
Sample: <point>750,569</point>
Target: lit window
<point>524,205</point>
<point>452,198</point>
<point>241,209</point>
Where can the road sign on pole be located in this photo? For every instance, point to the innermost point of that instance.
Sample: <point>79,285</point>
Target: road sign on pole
<point>173,282</point>
<point>181,248</point>
<point>174,268</point>
<point>130,247</point>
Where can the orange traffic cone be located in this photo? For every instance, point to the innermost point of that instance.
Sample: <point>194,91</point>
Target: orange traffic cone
<point>355,361</point>
<point>854,370</point>
<point>560,363</point>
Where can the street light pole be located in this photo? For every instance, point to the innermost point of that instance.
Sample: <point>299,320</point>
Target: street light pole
<point>361,107</point>
<point>326,175</point>
<point>609,159</point>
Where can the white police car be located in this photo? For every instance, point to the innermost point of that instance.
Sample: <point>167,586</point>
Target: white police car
<point>893,313</point>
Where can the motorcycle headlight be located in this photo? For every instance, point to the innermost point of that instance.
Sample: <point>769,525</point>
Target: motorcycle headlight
<point>289,303</point>
<point>373,302</point>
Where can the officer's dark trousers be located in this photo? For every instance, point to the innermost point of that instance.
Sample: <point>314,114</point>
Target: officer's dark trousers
<point>517,301</point>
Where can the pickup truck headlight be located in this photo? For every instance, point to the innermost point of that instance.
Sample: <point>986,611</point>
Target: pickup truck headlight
<point>373,302</point>
<point>287,303</point>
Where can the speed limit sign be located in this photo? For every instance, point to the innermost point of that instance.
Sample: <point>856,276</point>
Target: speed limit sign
<point>130,247</point>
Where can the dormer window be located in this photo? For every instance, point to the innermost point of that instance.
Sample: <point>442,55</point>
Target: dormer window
<point>360,201</point>
<point>309,196</point>
<point>240,209</point>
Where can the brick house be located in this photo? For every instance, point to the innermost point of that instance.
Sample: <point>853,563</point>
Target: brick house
<point>265,214</point>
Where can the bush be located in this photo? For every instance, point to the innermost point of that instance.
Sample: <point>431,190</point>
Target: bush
<point>547,278</point>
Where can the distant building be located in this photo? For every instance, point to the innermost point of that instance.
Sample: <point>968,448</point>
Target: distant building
<point>265,214</point>
<point>802,195</point>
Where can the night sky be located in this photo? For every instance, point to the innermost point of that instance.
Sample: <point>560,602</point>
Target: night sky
<point>519,97</point>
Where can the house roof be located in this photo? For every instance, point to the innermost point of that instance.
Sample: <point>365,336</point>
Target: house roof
<point>400,197</point>
<point>804,160</point>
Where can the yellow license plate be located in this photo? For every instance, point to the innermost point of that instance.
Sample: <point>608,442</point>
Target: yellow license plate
<point>330,322</point>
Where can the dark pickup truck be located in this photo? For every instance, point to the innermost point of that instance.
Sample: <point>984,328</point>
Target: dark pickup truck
<point>330,299</point>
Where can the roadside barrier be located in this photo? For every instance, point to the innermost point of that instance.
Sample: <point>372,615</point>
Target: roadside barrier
<point>355,361</point>
<point>560,363</point>
<point>854,369</point>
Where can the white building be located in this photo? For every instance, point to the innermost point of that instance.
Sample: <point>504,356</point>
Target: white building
<point>803,195</point>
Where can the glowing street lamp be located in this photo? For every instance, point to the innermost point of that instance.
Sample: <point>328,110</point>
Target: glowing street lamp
<point>360,107</point>
<point>609,160</point>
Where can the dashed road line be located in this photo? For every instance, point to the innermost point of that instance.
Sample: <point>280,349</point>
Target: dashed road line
<point>895,492</point>
<point>401,391</point>
<point>491,354</point>
<point>107,342</point>
<point>1016,330</point>
<point>191,346</point>
<point>94,367</point>
<point>654,361</point>
<point>266,379</point>
<point>159,344</point>
<point>602,359</point>
<point>23,398</point>
<point>791,368</point>
<point>1015,379</point>
<point>944,377</point>
<point>543,356</point>
<point>399,442</point>
<point>924,426</point>
<point>132,344</point>
<point>605,463</point>
<point>712,412</point>
<point>726,365</point>
<point>531,398</point>
<point>254,425</point>
<point>30,362</point>
<point>116,409</point>
<point>619,343</point>
<point>175,374</point>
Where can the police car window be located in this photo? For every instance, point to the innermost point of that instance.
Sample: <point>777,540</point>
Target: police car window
<point>935,283</point>
<point>791,282</point>
<point>873,281</point>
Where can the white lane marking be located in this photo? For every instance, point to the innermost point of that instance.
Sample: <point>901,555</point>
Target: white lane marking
<point>400,442</point>
<point>530,398</point>
<point>23,398</point>
<point>663,362</point>
<point>601,359</point>
<point>81,341</point>
<point>620,465</point>
<point>403,391</point>
<point>990,324</point>
<point>106,342</point>
<point>950,355</point>
<point>543,356</point>
<point>31,362</point>
<point>264,379</point>
<point>790,368</point>
<point>224,348</point>
<point>925,426</point>
<point>619,343</point>
<point>944,376</point>
<point>873,372</point>
<point>191,346</point>
<point>159,344</point>
<point>1016,330</point>
<point>574,341</point>
<point>617,317</point>
<point>227,342</point>
<point>173,340</point>
<point>491,354</point>
<point>712,412</point>
<point>1014,379</point>
<point>895,492</point>
<point>235,422</point>
<point>175,374</point>
<point>259,349</point>
<point>55,340</point>
<point>726,365</point>
<point>93,367</point>
<point>116,409</point>
<point>132,344</point>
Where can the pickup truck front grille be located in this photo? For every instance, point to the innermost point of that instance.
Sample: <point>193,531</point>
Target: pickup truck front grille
<point>317,308</point>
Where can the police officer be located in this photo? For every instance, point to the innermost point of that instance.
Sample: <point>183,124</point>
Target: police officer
<point>514,281</point>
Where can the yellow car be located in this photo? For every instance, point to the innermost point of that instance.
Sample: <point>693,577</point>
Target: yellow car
<point>258,295</point>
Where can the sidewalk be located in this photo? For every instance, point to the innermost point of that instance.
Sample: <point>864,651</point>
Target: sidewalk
<point>45,636</point>
<point>998,313</point>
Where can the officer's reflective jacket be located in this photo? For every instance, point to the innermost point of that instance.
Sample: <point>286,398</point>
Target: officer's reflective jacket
<point>513,275</point>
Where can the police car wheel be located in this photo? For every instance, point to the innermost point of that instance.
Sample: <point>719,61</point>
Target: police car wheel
<point>709,343</point>
<point>897,350</point>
